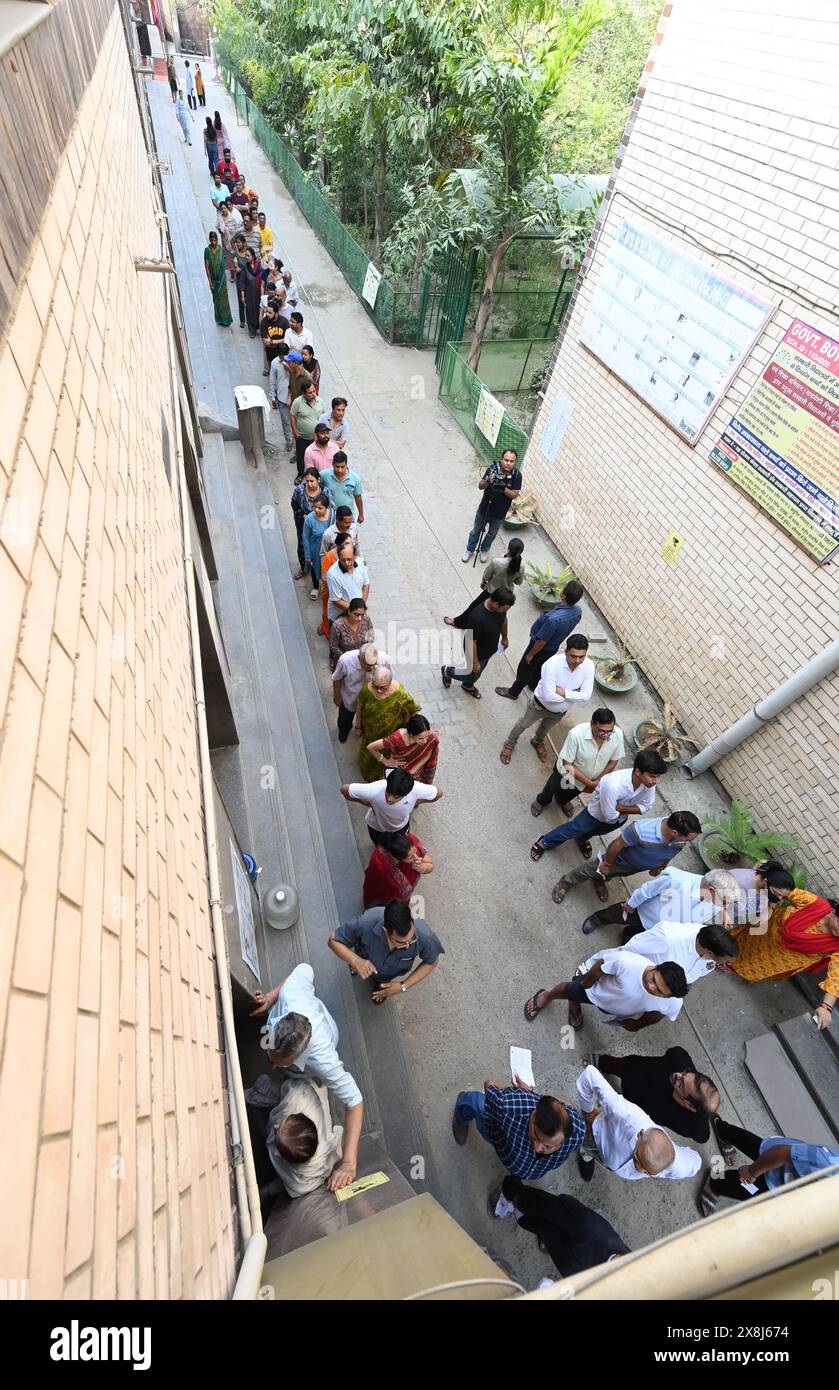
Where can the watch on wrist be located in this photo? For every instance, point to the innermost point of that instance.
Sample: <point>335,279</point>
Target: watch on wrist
<point>403,989</point>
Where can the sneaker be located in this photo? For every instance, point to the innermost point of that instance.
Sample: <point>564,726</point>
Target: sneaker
<point>484,556</point>
<point>466,557</point>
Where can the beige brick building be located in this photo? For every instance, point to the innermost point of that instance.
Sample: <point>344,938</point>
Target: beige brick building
<point>115,1171</point>
<point>730,157</point>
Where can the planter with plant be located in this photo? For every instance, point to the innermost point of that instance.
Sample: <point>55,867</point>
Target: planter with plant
<point>522,512</point>
<point>731,842</point>
<point>662,734</point>
<point>616,674</point>
<point>546,586</point>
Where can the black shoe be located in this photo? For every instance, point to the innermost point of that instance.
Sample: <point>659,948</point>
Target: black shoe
<point>506,692</point>
<point>447,680</point>
<point>586,1168</point>
<point>492,1200</point>
<point>590,924</point>
<point>460,1131</point>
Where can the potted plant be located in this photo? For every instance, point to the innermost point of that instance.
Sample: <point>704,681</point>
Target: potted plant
<point>616,674</point>
<point>661,733</point>
<point>522,512</point>
<point>546,586</point>
<point>731,842</point>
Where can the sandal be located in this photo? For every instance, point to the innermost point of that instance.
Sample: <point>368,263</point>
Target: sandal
<point>536,851</point>
<point>602,891</point>
<point>300,574</point>
<point>728,1151</point>
<point>531,1008</point>
<point>506,753</point>
<point>449,622</point>
<point>470,690</point>
<point>541,750</point>
<point>559,890</point>
<point>706,1202</point>
<point>536,808</point>
<point>575,1015</point>
<point>584,846</point>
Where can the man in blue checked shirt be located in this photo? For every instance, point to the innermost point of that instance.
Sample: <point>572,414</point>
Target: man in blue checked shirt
<point>531,1134</point>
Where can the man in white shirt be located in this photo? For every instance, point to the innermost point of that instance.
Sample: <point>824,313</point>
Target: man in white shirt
<point>674,896</point>
<point>697,952</point>
<point>352,669</point>
<point>624,1137</point>
<point>626,986</point>
<point>590,752</point>
<point>297,336</point>
<point>629,791</point>
<point>566,678</point>
<point>390,801</point>
<point>290,289</point>
<point>302,1036</point>
<point>345,580</point>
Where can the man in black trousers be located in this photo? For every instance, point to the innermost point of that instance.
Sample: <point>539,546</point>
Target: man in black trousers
<point>575,1237</point>
<point>668,1088</point>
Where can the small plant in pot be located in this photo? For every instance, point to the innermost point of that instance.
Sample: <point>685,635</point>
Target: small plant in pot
<point>616,673</point>
<point>546,586</point>
<point>522,512</point>
<point>731,842</point>
<point>661,733</point>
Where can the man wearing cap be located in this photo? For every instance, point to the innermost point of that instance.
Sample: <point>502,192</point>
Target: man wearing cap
<point>305,413</point>
<point>227,171</point>
<point>320,454</point>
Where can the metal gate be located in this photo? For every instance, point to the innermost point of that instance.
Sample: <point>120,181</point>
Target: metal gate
<point>446,288</point>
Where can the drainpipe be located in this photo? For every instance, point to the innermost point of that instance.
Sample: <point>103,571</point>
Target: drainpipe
<point>792,689</point>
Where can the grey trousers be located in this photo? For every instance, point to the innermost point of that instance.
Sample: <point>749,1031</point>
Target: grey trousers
<point>587,872</point>
<point>534,714</point>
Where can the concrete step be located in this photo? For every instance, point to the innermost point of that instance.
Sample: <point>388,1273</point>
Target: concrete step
<point>813,1055</point>
<point>790,1102</point>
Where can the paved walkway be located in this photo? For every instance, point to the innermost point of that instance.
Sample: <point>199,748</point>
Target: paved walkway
<point>490,905</point>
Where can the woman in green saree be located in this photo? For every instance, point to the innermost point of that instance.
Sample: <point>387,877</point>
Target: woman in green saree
<point>383,706</point>
<point>214,266</point>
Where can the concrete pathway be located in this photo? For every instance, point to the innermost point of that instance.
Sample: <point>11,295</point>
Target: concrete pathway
<point>490,905</point>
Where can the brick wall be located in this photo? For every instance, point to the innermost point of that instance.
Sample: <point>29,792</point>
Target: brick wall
<point>115,1175</point>
<point>735,145</point>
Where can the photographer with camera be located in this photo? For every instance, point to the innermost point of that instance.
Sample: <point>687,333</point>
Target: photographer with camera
<point>500,484</point>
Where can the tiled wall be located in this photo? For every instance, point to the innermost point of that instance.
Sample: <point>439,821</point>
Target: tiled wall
<point>734,148</point>
<point>114,1167</point>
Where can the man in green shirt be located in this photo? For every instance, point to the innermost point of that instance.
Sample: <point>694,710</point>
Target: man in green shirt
<point>589,752</point>
<point>305,413</point>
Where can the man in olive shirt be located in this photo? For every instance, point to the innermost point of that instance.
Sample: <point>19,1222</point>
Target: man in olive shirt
<point>590,751</point>
<point>668,1088</point>
<point>305,413</point>
<point>383,944</point>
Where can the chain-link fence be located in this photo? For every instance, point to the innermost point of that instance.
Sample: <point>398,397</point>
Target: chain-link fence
<point>506,368</point>
<point>392,312</point>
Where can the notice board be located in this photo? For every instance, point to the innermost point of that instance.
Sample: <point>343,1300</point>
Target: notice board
<point>782,446</point>
<point>671,328</point>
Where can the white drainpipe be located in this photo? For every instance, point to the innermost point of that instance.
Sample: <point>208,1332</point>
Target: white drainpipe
<point>791,690</point>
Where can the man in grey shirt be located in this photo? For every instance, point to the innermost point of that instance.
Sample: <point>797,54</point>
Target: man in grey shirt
<point>383,946</point>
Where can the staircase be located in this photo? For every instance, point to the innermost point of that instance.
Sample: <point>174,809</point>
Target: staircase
<point>796,1070</point>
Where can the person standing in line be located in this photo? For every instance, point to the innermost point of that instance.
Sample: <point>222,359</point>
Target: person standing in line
<point>227,170</point>
<point>590,752</point>
<point>266,237</point>
<point>635,993</point>
<point>347,580</point>
<point>567,677</point>
<point>218,191</point>
<point>217,280</point>
<point>390,801</point>
<point>575,1237</point>
<point>272,329</point>
<point>343,485</point>
<point>383,707</point>
<point>303,499</point>
<point>486,621</point>
<point>546,637</point>
<point>802,936</point>
<point>351,632</point>
<point>290,289</point>
<point>383,946</point>
<point>223,140</point>
<point>645,847</point>
<point>352,669</point>
<point>190,87</point>
<point>304,415</point>
<point>299,337</point>
<point>344,528</point>
<point>251,235</point>
<point>199,85</point>
<point>173,78</point>
<point>531,1134</point>
<point>673,896</point>
<point>335,418</point>
<point>229,225</point>
<point>313,528</point>
<point>623,1137</point>
<point>625,792</point>
<point>312,365</point>
<point>699,953</point>
<point>668,1088</point>
<point>416,748</point>
<point>184,117</point>
<point>395,868</point>
<point>500,485</point>
<point>211,151</point>
<point>504,572</point>
<point>278,388</point>
<point>322,451</point>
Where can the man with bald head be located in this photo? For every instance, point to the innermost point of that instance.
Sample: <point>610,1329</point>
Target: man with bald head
<point>623,1137</point>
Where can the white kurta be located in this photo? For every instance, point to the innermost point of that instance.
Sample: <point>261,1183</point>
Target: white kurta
<point>309,1098</point>
<point>617,1127</point>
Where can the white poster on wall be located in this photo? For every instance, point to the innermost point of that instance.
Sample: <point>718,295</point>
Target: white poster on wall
<point>670,327</point>
<point>489,415</point>
<point>555,427</point>
<point>247,930</point>
<point>370,289</point>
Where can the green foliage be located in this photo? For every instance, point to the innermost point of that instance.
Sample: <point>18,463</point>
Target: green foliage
<point>741,840</point>
<point>546,582</point>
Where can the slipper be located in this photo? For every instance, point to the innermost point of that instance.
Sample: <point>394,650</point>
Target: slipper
<point>559,890</point>
<point>300,574</point>
<point>531,1009</point>
<point>447,680</point>
<point>728,1151</point>
<point>536,851</point>
<point>470,690</point>
<point>584,846</point>
<point>449,622</point>
<point>536,808</point>
<point>706,1202</point>
<point>575,1016</point>
<point>565,808</point>
<point>541,750</point>
<point>602,891</point>
<point>508,751</point>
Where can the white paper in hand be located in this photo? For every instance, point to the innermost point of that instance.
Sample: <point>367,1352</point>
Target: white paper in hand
<point>521,1064</point>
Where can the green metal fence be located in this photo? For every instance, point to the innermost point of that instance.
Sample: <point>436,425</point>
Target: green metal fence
<point>393,315</point>
<point>505,367</point>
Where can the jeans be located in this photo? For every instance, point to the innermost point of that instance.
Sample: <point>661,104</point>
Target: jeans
<point>582,827</point>
<point>492,528</point>
<point>467,678</point>
<point>729,1185</point>
<point>285,420</point>
<point>212,156</point>
<point>471,1105</point>
<point>534,713</point>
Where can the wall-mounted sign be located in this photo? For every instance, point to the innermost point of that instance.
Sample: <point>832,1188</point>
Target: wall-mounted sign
<point>782,446</point>
<point>557,424</point>
<point>489,415</point>
<point>247,930</point>
<point>370,288</point>
<point>670,327</point>
<point>672,547</point>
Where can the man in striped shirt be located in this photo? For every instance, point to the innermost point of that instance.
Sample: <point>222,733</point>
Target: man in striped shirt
<point>531,1134</point>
